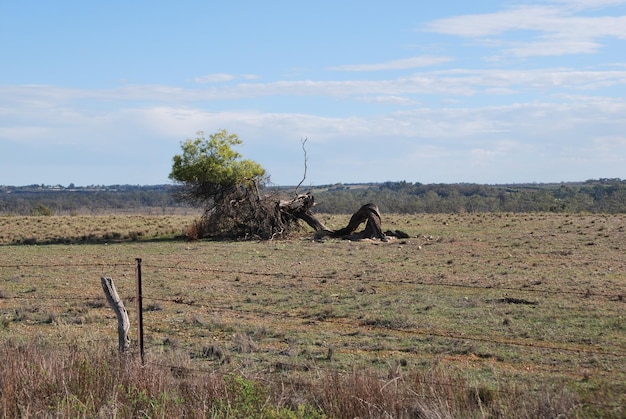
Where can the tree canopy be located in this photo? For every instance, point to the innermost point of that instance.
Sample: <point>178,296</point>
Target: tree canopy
<point>210,172</point>
<point>209,168</point>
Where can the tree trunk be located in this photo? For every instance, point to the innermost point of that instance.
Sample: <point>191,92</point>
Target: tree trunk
<point>300,208</point>
<point>368,213</point>
<point>123,324</point>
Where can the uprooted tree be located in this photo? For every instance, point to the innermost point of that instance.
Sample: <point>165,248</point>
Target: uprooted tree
<point>210,173</point>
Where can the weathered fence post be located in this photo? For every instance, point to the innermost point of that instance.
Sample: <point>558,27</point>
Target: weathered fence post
<point>139,309</point>
<point>123,324</point>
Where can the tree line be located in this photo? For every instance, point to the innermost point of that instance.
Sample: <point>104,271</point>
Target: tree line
<point>591,196</point>
<point>90,200</point>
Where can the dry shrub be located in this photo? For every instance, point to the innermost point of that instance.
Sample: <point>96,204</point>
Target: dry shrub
<point>362,394</point>
<point>82,382</point>
<point>194,230</point>
<point>243,214</point>
<point>436,394</point>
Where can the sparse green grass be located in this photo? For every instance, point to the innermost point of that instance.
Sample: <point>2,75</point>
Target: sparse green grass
<point>524,310</point>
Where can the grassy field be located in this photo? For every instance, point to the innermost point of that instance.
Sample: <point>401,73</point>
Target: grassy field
<point>475,315</point>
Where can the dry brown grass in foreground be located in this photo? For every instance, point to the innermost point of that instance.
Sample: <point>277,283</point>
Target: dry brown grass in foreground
<point>41,381</point>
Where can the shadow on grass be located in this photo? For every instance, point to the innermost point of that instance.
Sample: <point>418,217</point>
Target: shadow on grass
<point>117,240</point>
<point>96,240</point>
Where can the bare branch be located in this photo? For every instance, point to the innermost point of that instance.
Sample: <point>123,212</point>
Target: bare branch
<point>305,167</point>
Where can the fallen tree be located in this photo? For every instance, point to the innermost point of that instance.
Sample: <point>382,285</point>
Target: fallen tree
<point>247,215</point>
<point>368,214</point>
<point>300,208</point>
<point>211,173</point>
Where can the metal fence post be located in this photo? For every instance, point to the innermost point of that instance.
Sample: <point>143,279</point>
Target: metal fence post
<point>139,310</point>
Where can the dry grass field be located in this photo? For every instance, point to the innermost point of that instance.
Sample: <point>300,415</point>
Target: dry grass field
<point>475,315</point>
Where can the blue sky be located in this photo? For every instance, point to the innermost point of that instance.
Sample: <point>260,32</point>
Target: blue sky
<point>100,93</point>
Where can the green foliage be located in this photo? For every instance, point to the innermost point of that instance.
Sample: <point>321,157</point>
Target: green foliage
<point>138,402</point>
<point>209,168</point>
<point>247,398</point>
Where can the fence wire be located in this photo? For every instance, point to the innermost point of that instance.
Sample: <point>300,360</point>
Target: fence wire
<point>127,270</point>
<point>150,295</point>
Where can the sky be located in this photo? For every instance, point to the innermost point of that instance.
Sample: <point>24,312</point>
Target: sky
<point>490,92</point>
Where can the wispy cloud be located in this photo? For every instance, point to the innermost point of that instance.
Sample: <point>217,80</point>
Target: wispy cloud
<point>388,99</point>
<point>222,77</point>
<point>588,4</point>
<point>450,83</point>
<point>552,29</point>
<point>403,64</point>
<point>481,143</point>
<point>214,78</point>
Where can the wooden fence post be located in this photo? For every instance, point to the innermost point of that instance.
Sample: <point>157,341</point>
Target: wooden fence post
<point>123,324</point>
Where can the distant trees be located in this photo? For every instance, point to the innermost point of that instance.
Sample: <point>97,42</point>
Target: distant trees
<point>605,195</point>
<point>42,211</point>
<point>600,196</point>
<point>26,200</point>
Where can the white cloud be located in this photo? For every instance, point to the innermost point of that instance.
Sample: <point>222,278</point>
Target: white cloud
<point>553,47</point>
<point>22,133</point>
<point>214,78</point>
<point>588,4</point>
<point>388,99</point>
<point>403,64</point>
<point>450,84</point>
<point>222,77</point>
<point>480,144</point>
<point>552,30</point>
<point>610,148</point>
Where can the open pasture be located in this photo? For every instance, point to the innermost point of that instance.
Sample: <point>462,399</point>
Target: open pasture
<point>511,304</point>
